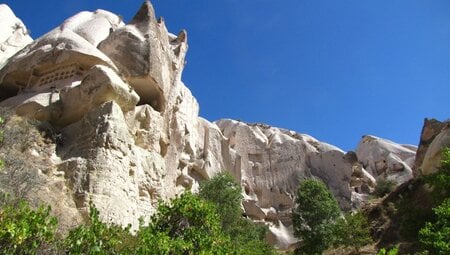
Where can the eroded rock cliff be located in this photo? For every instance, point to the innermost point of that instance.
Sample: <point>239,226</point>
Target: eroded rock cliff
<point>129,131</point>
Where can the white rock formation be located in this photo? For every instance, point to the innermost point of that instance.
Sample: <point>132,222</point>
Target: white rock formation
<point>385,159</point>
<point>13,34</point>
<point>129,133</point>
<point>435,136</point>
<point>273,162</point>
<point>129,127</point>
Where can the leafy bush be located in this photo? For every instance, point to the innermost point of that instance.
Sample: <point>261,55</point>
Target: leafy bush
<point>440,181</point>
<point>384,187</point>
<point>186,225</point>
<point>435,237</point>
<point>97,237</point>
<point>313,216</point>
<point>24,230</point>
<point>352,231</point>
<point>246,236</point>
<point>383,251</point>
<point>225,193</point>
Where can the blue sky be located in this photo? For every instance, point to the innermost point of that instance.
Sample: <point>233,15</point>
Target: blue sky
<point>333,69</point>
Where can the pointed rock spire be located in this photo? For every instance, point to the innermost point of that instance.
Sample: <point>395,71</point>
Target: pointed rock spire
<point>145,14</point>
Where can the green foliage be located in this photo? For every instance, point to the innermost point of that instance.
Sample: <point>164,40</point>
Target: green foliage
<point>186,225</point>
<point>225,193</point>
<point>352,231</point>
<point>384,187</point>
<point>440,181</point>
<point>246,236</point>
<point>24,230</point>
<point>313,217</point>
<point>435,237</point>
<point>383,251</point>
<point>96,237</point>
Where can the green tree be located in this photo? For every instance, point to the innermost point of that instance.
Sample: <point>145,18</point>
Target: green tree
<point>246,236</point>
<point>352,231</point>
<point>313,217</point>
<point>435,237</point>
<point>186,225</point>
<point>24,230</point>
<point>225,193</point>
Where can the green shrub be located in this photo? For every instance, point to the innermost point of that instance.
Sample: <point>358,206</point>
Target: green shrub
<point>246,236</point>
<point>186,225</point>
<point>383,251</point>
<point>313,216</point>
<point>352,231</point>
<point>384,187</point>
<point>96,237</point>
<point>435,237</point>
<point>226,195</point>
<point>24,230</point>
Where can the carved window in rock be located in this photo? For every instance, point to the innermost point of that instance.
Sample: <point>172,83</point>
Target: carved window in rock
<point>48,78</point>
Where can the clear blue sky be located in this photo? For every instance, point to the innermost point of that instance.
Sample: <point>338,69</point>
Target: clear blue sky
<point>333,69</point>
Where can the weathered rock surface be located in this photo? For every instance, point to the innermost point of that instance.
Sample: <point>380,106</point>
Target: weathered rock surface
<point>385,159</point>
<point>129,131</point>
<point>13,34</point>
<point>434,137</point>
<point>273,162</point>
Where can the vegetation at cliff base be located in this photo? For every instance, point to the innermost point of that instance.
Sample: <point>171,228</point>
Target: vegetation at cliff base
<point>435,235</point>
<point>24,230</point>
<point>313,217</point>
<point>188,224</point>
<point>246,236</point>
<point>353,230</point>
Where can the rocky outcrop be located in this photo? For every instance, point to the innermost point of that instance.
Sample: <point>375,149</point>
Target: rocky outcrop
<point>129,133</point>
<point>13,34</point>
<point>129,128</point>
<point>434,137</point>
<point>273,162</point>
<point>385,159</point>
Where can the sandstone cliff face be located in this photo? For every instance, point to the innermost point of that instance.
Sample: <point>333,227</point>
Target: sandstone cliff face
<point>129,131</point>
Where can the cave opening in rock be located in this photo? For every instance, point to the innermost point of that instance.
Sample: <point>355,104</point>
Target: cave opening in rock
<point>149,92</point>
